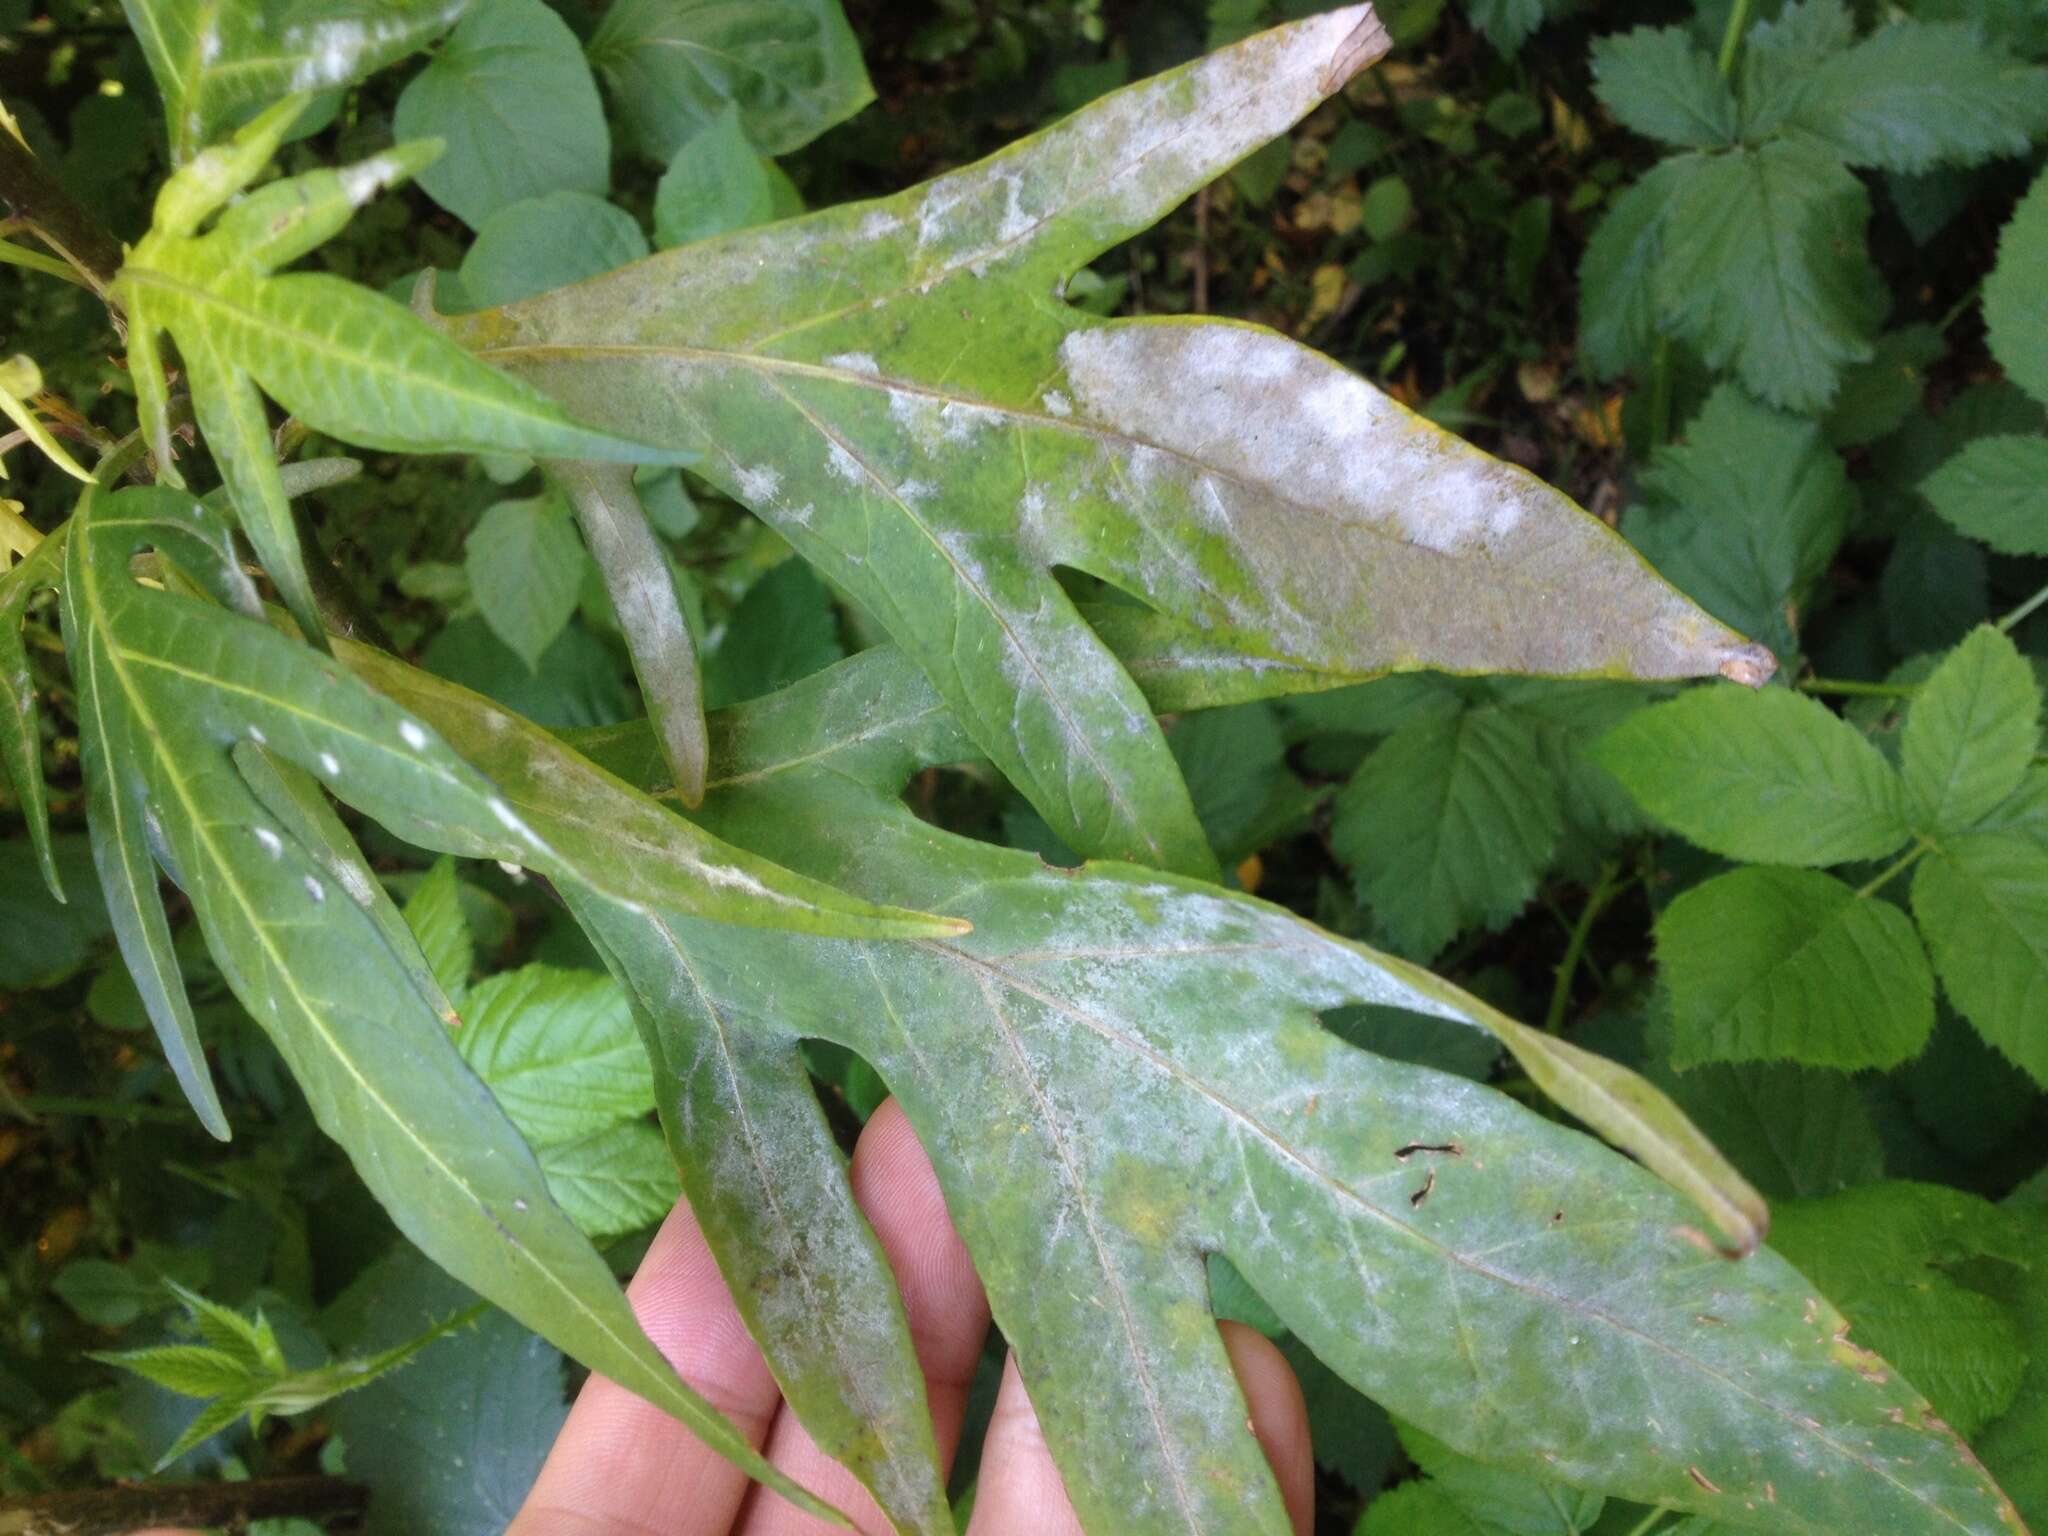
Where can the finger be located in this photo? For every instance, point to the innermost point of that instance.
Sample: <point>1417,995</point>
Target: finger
<point>621,1466</point>
<point>898,1191</point>
<point>1279,1415</point>
<point>1021,1493</point>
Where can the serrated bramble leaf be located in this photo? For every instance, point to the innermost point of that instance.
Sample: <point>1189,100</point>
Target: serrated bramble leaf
<point>1877,396</point>
<point>2016,294</point>
<point>1970,734</point>
<point>434,914</point>
<point>1509,23</point>
<point>1745,514</point>
<point>192,1370</point>
<point>1779,56</point>
<point>1772,777</point>
<point>215,62</point>
<point>512,98</point>
<point>1768,964</point>
<point>784,628</point>
<point>525,568</point>
<point>1764,269</point>
<point>1996,490</point>
<point>1793,1131</point>
<point>1106,1146</point>
<point>1447,825</point>
<point>791,68</point>
<point>1882,1254</point>
<point>559,1051</point>
<point>1513,1504</point>
<point>1657,83</point>
<point>170,683</point>
<point>1981,899</point>
<point>850,376</point>
<point>1915,95</point>
<point>1617,275</point>
<point>614,1181</point>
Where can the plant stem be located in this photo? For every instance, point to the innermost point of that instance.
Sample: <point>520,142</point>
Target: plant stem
<point>1961,307</point>
<point>2012,620</point>
<point>1610,885</point>
<point>1649,1522</point>
<point>31,194</point>
<point>1660,394</point>
<point>107,1511</point>
<point>102,1109</point>
<point>1906,861</point>
<point>1731,40</point>
<point>1849,689</point>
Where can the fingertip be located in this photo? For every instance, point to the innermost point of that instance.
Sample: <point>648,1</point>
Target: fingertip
<point>899,1192</point>
<point>1279,1417</point>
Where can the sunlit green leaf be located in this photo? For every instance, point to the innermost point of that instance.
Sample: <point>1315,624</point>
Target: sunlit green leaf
<point>1971,733</point>
<point>1773,777</point>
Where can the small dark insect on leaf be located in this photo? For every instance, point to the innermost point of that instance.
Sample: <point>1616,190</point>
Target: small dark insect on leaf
<point>1452,1148</point>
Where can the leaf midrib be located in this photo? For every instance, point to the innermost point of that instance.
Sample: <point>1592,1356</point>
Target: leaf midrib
<point>1077,423</point>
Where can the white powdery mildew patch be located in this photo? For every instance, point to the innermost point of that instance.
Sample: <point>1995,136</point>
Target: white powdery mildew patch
<point>843,465</point>
<point>335,50</point>
<point>855,362</point>
<point>1269,413</point>
<point>365,179</point>
<point>315,890</point>
<point>879,225</point>
<point>758,484</point>
<point>362,890</point>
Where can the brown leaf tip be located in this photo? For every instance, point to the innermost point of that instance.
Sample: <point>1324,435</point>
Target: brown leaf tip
<point>1364,45</point>
<point>1749,665</point>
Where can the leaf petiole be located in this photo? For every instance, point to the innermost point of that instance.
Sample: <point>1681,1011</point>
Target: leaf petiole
<point>1905,862</point>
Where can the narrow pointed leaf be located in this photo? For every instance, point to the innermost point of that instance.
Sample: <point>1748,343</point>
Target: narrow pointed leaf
<point>368,1048</point>
<point>895,387</point>
<point>21,734</point>
<point>643,592</point>
<point>804,1267</point>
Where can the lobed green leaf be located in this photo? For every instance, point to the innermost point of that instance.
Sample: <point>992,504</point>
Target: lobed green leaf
<point>895,387</point>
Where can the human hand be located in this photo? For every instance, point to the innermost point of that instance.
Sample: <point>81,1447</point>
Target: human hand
<point>622,1467</point>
